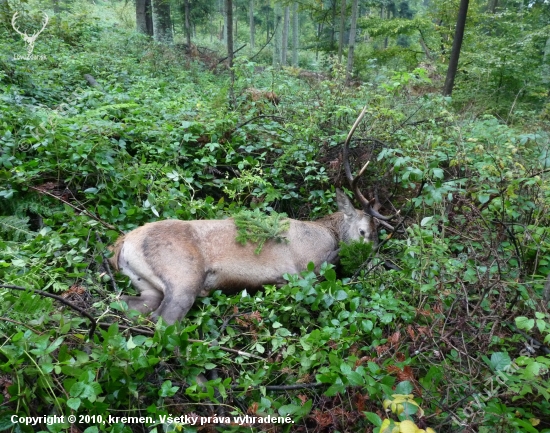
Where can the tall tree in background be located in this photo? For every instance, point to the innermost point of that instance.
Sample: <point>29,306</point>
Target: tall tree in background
<point>277,39</point>
<point>343,19</point>
<point>162,24</point>
<point>352,38</point>
<point>295,30</point>
<point>457,45</point>
<point>284,43</point>
<point>492,6</point>
<point>144,17</point>
<point>546,64</point>
<point>187,26</point>
<point>223,10</point>
<point>251,23</point>
<point>229,23</point>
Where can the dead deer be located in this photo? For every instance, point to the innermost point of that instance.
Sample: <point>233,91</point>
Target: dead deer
<point>173,262</point>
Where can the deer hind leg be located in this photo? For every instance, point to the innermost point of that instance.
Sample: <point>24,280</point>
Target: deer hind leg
<point>179,297</point>
<point>149,299</point>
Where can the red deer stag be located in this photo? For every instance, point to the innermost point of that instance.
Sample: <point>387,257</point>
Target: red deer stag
<point>173,262</point>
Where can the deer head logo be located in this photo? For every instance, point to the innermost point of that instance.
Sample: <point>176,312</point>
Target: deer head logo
<point>29,39</point>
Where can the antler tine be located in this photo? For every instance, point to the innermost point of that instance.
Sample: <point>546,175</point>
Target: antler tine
<point>46,19</point>
<point>354,180</point>
<point>13,19</point>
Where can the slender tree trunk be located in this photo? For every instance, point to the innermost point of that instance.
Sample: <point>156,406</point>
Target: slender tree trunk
<point>278,36</point>
<point>492,6</point>
<point>224,5</point>
<point>546,64</point>
<point>295,25</point>
<point>56,8</point>
<point>229,22</point>
<point>251,23</point>
<point>352,32</point>
<point>343,19</point>
<point>333,26</point>
<point>162,23</point>
<point>425,48</point>
<point>149,17</point>
<point>267,25</point>
<point>386,38</point>
<point>188,23</point>
<point>284,44</point>
<point>319,32</point>
<point>457,44</point>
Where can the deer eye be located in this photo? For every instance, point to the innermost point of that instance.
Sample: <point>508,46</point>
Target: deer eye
<point>362,232</point>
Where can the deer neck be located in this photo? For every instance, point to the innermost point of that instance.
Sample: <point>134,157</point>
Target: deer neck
<point>334,224</point>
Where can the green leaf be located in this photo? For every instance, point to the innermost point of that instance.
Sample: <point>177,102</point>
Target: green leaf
<point>345,368</point>
<point>524,323</point>
<point>341,295</point>
<point>355,379</point>
<point>425,221</point>
<point>404,388</point>
<point>5,420</point>
<point>373,418</point>
<point>73,403</point>
<point>483,198</point>
<point>500,361</point>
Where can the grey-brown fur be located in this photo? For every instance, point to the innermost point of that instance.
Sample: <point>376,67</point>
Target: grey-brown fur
<point>173,262</point>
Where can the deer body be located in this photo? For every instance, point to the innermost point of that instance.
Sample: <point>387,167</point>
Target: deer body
<point>172,262</point>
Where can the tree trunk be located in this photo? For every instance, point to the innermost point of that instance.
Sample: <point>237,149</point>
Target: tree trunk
<point>277,39</point>
<point>425,48</point>
<point>224,29</point>
<point>162,24</point>
<point>492,6</point>
<point>144,19</point>
<point>319,32</point>
<point>351,47</point>
<point>284,44</point>
<point>149,17</point>
<point>457,44</point>
<point>343,19</point>
<point>252,26</point>
<point>546,63</point>
<point>187,23</point>
<point>229,21</point>
<point>141,23</point>
<point>295,25</point>
<point>57,9</point>
<point>386,38</point>
<point>333,26</point>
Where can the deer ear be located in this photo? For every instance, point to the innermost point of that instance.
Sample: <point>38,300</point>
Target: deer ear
<point>344,204</point>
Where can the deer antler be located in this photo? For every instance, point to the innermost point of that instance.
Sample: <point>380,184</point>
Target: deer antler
<point>29,39</point>
<point>367,205</point>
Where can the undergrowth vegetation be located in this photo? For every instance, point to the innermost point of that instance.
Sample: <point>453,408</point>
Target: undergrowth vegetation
<point>460,324</point>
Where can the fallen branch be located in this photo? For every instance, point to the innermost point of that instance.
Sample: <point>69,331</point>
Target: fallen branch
<point>84,211</point>
<point>93,322</point>
<point>284,387</point>
<point>234,52</point>
<point>268,41</point>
